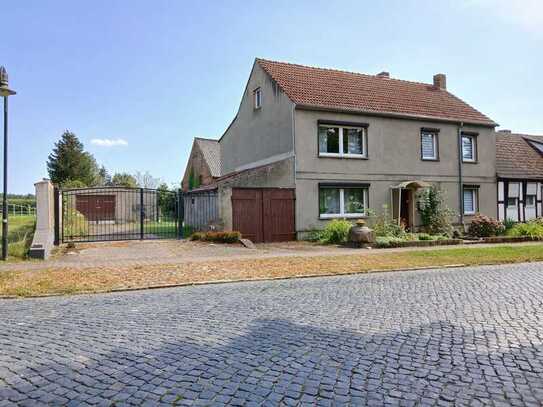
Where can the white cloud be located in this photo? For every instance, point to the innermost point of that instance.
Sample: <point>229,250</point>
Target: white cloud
<point>106,142</point>
<point>527,14</point>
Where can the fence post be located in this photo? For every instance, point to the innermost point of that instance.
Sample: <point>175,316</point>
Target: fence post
<point>56,193</point>
<point>180,212</point>
<point>142,213</point>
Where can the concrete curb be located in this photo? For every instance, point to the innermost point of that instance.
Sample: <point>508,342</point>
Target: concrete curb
<point>247,280</point>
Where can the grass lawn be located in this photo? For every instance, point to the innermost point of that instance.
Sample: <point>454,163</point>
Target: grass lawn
<point>21,231</point>
<point>95,279</point>
<point>164,228</point>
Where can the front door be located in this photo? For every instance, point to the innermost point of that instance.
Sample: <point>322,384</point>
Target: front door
<point>405,208</point>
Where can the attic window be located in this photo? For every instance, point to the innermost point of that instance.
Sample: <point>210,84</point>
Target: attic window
<point>258,98</point>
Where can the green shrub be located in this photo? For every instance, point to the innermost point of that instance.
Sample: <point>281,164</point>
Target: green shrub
<point>533,229</point>
<point>425,236</point>
<point>388,241</point>
<point>485,226</point>
<point>385,226</point>
<point>435,215</point>
<point>336,231</point>
<point>315,235</point>
<point>508,224</point>
<point>187,231</point>
<point>217,237</point>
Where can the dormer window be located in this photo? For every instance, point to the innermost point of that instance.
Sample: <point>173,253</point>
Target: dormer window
<point>258,98</point>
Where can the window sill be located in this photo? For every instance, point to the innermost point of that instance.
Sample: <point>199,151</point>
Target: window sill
<point>344,216</point>
<point>470,161</point>
<point>334,155</point>
<point>469,213</point>
<point>430,159</point>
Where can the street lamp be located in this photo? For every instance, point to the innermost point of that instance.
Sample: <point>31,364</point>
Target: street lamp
<point>5,91</point>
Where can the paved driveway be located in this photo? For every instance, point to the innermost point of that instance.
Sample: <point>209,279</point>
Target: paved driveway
<point>428,337</point>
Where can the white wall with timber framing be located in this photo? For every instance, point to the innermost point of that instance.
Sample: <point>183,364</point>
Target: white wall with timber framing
<point>520,200</point>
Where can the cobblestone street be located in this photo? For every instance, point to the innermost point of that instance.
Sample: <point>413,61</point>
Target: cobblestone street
<point>467,336</point>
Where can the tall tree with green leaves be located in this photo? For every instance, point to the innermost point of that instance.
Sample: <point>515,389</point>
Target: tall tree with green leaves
<point>124,179</point>
<point>69,163</point>
<point>103,178</point>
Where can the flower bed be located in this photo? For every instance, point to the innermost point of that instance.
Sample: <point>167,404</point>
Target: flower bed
<point>391,243</point>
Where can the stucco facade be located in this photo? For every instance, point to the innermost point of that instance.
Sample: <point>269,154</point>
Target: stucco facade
<point>393,157</point>
<point>286,131</point>
<point>259,136</point>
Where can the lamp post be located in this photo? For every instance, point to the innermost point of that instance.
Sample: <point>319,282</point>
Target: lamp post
<point>5,91</point>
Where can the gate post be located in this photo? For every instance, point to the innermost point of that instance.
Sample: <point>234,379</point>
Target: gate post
<point>44,235</point>
<point>142,213</point>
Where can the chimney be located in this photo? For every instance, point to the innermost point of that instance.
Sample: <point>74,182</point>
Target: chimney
<point>383,74</point>
<point>440,81</point>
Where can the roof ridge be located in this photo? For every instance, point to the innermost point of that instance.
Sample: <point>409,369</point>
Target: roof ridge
<point>346,71</point>
<point>206,139</point>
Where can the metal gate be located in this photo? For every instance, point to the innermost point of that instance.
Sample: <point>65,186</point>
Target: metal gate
<point>113,213</point>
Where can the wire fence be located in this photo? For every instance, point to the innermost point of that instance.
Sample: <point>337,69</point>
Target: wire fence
<point>19,210</point>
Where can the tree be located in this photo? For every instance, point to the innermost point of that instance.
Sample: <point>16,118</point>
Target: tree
<point>124,180</point>
<point>69,162</point>
<point>103,178</point>
<point>166,200</point>
<point>146,180</point>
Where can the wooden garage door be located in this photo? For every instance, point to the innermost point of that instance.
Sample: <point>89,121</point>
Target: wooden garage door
<point>96,207</point>
<point>264,215</point>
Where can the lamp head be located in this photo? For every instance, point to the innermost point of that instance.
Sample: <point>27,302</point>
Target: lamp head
<point>4,89</point>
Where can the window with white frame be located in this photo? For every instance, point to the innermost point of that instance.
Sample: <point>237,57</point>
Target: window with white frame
<point>342,202</point>
<point>258,98</point>
<point>469,148</point>
<point>470,200</point>
<point>531,195</point>
<point>342,141</point>
<point>428,141</point>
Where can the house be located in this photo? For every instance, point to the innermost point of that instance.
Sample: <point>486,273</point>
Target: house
<point>204,164</point>
<point>310,144</point>
<point>519,169</point>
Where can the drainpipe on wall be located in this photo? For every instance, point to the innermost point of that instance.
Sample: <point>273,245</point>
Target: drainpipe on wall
<point>460,176</point>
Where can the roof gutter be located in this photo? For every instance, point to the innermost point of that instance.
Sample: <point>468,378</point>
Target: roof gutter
<point>394,115</point>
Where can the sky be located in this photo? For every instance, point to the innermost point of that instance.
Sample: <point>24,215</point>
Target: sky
<point>136,81</point>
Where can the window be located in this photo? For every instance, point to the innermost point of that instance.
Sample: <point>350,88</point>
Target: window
<point>348,202</point>
<point>469,148</point>
<point>428,141</point>
<point>512,202</point>
<point>258,98</point>
<point>470,200</point>
<point>337,141</point>
<point>530,201</point>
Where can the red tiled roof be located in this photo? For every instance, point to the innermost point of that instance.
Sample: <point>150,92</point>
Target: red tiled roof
<point>341,90</point>
<point>516,158</point>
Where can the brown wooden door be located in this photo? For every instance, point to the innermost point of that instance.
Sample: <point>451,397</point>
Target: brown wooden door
<point>96,207</point>
<point>264,215</point>
<point>247,213</point>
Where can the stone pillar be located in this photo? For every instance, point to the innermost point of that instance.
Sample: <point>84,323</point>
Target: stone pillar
<point>45,220</point>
